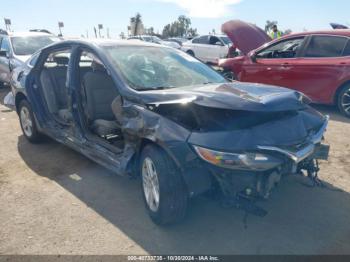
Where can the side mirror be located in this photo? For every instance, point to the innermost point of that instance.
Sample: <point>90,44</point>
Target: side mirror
<point>3,53</point>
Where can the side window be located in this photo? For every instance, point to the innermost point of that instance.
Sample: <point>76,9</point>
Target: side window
<point>5,44</point>
<point>33,60</point>
<point>53,79</point>
<point>284,49</point>
<point>203,40</point>
<point>215,41</point>
<point>325,46</point>
<point>195,40</point>
<point>346,51</point>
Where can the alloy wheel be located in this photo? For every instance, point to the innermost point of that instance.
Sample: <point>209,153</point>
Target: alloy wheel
<point>345,101</point>
<point>150,184</point>
<point>26,122</point>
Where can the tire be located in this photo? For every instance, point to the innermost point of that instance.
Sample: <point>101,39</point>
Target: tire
<point>344,100</point>
<point>190,52</point>
<point>27,121</point>
<point>172,193</point>
<point>229,75</point>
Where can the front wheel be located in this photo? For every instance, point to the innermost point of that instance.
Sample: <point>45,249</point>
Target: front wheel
<point>164,191</point>
<point>229,75</point>
<point>27,121</point>
<point>191,53</point>
<point>344,100</point>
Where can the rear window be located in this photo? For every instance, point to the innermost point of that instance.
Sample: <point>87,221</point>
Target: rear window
<point>326,46</point>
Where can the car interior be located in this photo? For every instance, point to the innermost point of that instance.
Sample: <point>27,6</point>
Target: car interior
<point>98,93</point>
<point>53,81</point>
<point>284,49</point>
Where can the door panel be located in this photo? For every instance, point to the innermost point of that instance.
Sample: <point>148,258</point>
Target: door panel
<point>274,63</point>
<point>317,77</point>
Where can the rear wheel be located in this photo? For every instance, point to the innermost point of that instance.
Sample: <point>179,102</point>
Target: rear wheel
<point>27,121</point>
<point>191,53</point>
<point>164,191</point>
<point>344,100</point>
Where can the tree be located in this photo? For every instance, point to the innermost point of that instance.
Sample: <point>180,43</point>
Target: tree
<point>136,24</point>
<point>183,25</point>
<point>179,28</point>
<point>149,31</point>
<point>166,31</point>
<point>269,25</point>
<point>192,32</point>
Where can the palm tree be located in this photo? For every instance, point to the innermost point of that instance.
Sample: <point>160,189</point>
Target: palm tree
<point>136,21</point>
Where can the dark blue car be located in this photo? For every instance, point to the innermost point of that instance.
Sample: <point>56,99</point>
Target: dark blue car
<point>145,110</point>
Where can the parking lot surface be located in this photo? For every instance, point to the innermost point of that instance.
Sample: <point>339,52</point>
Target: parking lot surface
<point>55,201</point>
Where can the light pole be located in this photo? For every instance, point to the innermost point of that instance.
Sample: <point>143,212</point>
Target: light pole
<point>100,26</point>
<point>7,24</point>
<point>60,26</point>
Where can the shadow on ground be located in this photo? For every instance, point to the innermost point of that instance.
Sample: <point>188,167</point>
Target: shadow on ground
<point>333,113</point>
<point>301,220</point>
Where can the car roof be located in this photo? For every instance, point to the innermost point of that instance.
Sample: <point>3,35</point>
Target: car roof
<point>337,32</point>
<point>108,42</point>
<point>24,34</point>
<point>221,35</point>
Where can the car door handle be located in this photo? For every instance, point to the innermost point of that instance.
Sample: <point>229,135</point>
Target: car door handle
<point>285,64</point>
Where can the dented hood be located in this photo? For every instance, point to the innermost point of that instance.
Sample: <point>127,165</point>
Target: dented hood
<point>234,96</point>
<point>245,36</point>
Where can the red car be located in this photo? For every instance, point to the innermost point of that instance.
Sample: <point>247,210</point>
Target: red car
<point>315,63</point>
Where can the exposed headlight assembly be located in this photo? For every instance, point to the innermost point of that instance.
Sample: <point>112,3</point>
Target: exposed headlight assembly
<point>245,161</point>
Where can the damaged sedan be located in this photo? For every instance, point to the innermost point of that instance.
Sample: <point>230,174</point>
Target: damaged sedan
<point>140,109</point>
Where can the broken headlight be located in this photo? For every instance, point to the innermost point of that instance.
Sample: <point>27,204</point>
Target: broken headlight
<point>244,161</point>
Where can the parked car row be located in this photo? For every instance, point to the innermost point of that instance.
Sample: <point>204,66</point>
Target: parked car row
<point>156,40</point>
<point>144,108</point>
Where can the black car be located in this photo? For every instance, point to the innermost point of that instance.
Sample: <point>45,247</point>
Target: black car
<point>143,109</point>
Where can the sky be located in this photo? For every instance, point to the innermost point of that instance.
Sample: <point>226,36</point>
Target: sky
<point>80,16</point>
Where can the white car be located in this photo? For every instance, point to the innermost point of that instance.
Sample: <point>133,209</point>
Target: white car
<point>16,48</point>
<point>155,39</point>
<point>208,48</point>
